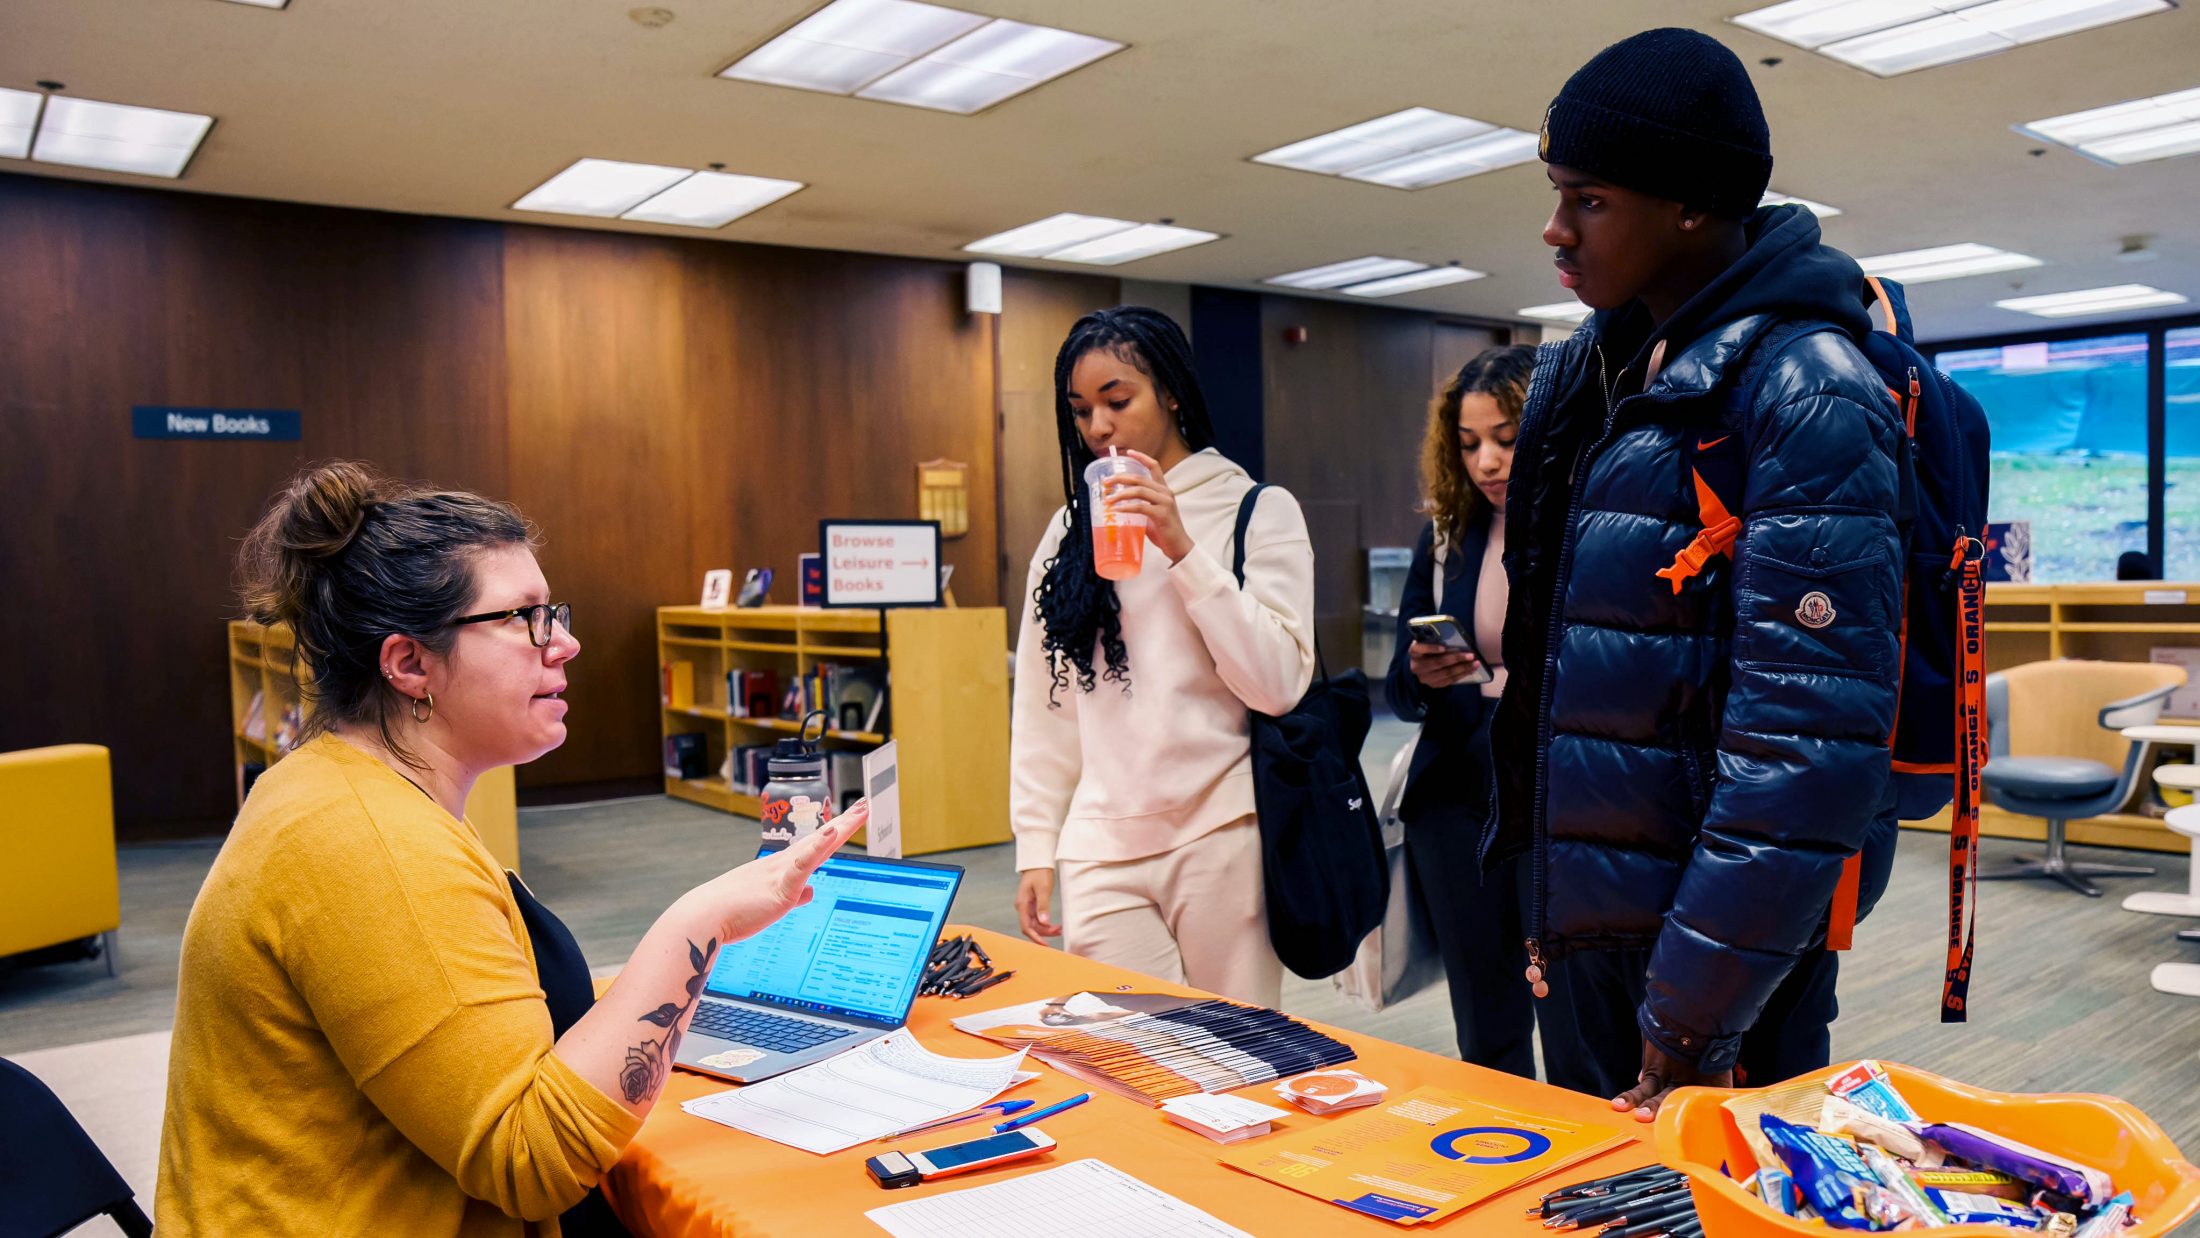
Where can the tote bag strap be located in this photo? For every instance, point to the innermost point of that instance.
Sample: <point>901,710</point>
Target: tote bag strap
<point>1237,561</point>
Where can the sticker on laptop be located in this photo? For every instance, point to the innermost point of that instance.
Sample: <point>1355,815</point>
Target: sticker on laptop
<point>730,1059</point>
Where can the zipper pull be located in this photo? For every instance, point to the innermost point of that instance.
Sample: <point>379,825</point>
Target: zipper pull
<point>1955,561</point>
<point>1536,982</point>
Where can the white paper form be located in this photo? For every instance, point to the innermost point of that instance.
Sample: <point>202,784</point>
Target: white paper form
<point>1083,1199</point>
<point>864,1094</point>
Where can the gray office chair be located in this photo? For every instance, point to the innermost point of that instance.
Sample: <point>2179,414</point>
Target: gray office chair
<point>2062,789</point>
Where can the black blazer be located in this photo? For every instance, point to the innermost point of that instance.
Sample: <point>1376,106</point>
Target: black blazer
<point>1445,779</point>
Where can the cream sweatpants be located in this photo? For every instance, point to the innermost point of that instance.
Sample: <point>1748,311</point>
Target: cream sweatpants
<point>1193,915</point>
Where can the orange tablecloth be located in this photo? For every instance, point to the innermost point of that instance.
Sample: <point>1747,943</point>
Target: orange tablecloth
<point>684,1176</point>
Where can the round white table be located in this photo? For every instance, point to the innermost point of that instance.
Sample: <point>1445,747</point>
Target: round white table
<point>2185,736</point>
<point>2178,777</point>
<point>2180,979</point>
<point>2185,821</point>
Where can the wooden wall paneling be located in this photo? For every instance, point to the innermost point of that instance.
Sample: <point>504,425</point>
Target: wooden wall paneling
<point>852,369</point>
<point>119,554</point>
<point>1037,310</point>
<point>1453,344</point>
<point>1340,577</point>
<point>1343,422</point>
<point>611,460</point>
<point>693,404</point>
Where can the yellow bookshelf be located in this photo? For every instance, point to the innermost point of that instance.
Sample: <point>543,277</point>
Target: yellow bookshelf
<point>947,704</point>
<point>266,710</point>
<point>2116,621</point>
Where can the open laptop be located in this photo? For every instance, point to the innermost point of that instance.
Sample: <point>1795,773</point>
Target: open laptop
<point>827,977</point>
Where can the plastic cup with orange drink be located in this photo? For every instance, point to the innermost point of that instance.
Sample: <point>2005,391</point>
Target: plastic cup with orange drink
<point>1118,538</point>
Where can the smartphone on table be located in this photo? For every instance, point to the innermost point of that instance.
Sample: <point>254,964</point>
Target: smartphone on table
<point>898,1169</point>
<point>1444,631</point>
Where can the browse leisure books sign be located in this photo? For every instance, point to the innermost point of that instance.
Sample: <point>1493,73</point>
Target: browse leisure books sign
<point>875,563</point>
<point>266,425</point>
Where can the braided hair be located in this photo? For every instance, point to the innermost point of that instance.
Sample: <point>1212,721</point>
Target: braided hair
<point>1078,610</point>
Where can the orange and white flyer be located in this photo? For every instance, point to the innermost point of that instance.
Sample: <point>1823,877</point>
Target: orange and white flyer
<point>1423,1157</point>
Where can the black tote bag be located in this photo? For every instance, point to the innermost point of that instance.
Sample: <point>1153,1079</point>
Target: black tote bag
<point>1321,845</point>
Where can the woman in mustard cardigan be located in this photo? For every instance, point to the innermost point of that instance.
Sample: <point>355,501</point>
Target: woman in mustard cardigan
<point>376,1030</point>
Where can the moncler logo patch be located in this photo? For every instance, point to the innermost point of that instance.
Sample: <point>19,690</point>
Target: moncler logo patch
<point>1816,610</point>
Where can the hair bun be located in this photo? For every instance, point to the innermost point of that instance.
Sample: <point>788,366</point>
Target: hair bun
<point>314,519</point>
<point>324,508</point>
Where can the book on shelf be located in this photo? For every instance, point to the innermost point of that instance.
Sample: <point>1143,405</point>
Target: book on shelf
<point>679,685</point>
<point>751,693</point>
<point>745,768</point>
<point>255,717</point>
<point>687,756</point>
<point>844,776</point>
<point>290,728</point>
<point>856,696</point>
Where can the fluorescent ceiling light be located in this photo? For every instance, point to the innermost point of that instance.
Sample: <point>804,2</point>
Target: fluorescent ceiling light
<point>1092,239</point>
<point>1558,311</point>
<point>264,4</point>
<point>1887,37</point>
<point>18,119</point>
<point>2133,132</point>
<point>1338,274</point>
<point>115,137</point>
<point>1434,277</point>
<point>996,61</point>
<point>1820,209</point>
<point>922,55</point>
<point>603,188</point>
<point>1922,266</point>
<point>711,200</point>
<point>1037,240</point>
<point>1412,149</point>
<point>2092,301</point>
<point>1140,241</point>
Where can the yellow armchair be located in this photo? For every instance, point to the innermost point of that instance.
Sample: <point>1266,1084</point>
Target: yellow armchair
<point>57,828</point>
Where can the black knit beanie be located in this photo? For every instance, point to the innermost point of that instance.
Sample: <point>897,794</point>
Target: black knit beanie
<point>1666,112</point>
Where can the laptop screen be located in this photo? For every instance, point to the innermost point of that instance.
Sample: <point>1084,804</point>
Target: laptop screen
<point>857,949</point>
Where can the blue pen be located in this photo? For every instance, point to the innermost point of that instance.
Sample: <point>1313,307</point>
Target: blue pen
<point>999,1108</point>
<point>1047,1112</point>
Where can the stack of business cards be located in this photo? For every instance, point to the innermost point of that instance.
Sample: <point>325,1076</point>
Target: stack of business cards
<point>1224,1119</point>
<point>1331,1091</point>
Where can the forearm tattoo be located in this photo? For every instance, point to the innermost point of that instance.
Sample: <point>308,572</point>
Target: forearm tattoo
<point>647,1063</point>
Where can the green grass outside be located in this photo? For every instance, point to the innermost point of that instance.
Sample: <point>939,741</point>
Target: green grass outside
<point>2086,510</point>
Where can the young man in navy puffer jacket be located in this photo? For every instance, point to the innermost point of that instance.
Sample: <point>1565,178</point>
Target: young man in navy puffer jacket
<point>1692,744</point>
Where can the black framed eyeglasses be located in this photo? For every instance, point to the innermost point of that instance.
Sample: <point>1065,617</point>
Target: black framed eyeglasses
<point>539,619</point>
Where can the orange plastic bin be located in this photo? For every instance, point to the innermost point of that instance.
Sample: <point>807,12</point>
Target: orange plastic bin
<point>1696,1136</point>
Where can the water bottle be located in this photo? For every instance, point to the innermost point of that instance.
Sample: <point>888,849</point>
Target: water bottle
<point>796,797</point>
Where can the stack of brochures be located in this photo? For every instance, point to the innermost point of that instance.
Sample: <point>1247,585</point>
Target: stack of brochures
<point>1152,1046</point>
<point>1224,1119</point>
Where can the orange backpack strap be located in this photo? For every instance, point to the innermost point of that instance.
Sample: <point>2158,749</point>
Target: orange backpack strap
<point>1841,931</point>
<point>1720,527</point>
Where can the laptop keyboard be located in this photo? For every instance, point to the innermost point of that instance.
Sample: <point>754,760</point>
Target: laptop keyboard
<point>748,1026</point>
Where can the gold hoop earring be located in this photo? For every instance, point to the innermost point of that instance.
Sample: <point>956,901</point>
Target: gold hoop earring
<point>414,710</point>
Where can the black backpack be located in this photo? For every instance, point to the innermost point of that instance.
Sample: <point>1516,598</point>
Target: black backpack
<point>1321,844</point>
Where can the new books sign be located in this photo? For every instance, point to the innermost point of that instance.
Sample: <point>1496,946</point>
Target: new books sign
<point>271,425</point>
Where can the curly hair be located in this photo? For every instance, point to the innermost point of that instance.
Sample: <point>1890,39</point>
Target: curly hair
<point>1449,496</point>
<point>1078,610</point>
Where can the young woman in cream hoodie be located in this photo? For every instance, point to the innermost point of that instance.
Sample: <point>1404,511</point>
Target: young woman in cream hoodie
<point>1132,772</point>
